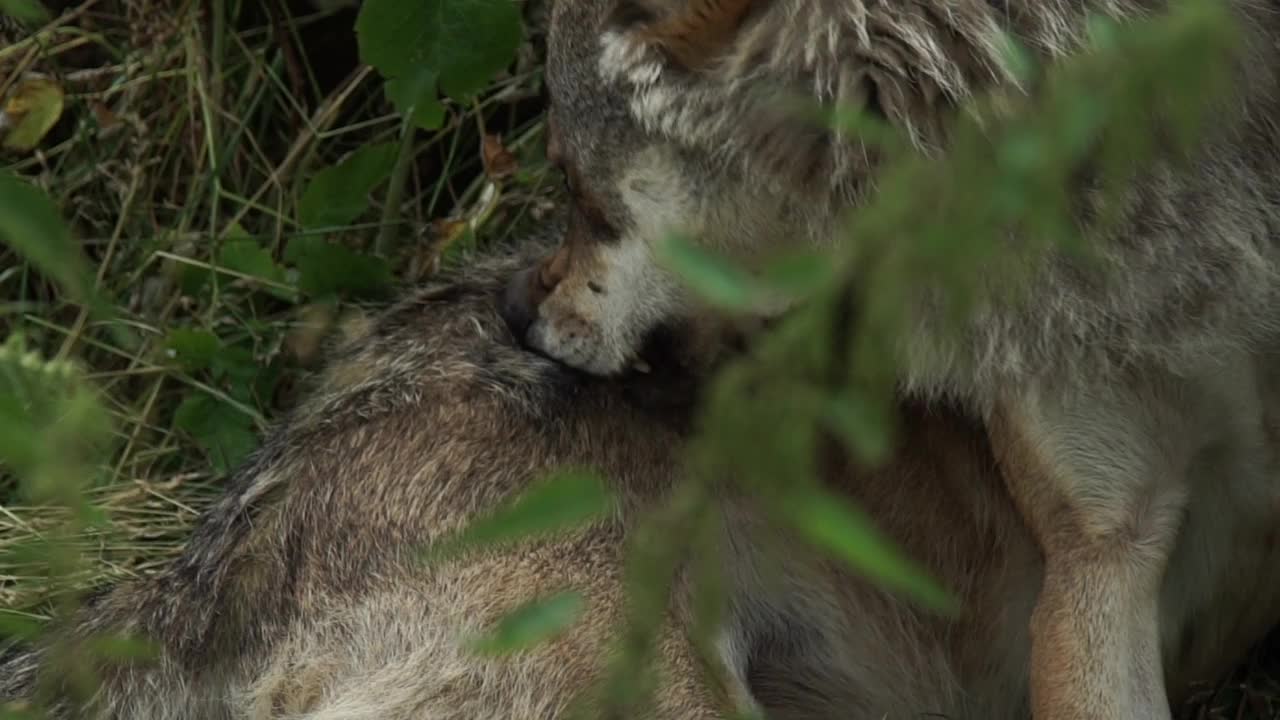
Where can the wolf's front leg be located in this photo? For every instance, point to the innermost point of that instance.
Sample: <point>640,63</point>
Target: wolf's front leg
<point>1101,479</point>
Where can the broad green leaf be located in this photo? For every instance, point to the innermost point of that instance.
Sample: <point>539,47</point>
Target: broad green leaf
<point>327,269</point>
<point>193,279</point>
<point>30,224</point>
<point>232,367</point>
<point>530,624</point>
<point>235,368</point>
<point>563,501</point>
<point>832,523</point>
<point>249,258</point>
<point>224,432</point>
<point>192,349</point>
<point>33,107</point>
<point>261,388</point>
<point>709,275</point>
<point>339,194</point>
<point>25,10</point>
<point>414,94</point>
<point>460,44</point>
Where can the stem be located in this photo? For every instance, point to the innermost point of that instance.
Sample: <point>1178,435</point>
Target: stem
<point>388,228</point>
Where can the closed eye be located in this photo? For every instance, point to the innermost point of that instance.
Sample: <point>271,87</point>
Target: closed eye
<point>586,204</point>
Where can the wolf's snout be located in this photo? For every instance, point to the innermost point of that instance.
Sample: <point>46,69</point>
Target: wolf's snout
<point>528,288</point>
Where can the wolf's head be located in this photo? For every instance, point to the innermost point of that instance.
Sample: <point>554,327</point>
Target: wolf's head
<point>678,116</point>
<point>594,300</point>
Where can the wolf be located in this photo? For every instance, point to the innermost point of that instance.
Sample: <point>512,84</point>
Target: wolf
<point>1100,384</point>
<point>303,591</point>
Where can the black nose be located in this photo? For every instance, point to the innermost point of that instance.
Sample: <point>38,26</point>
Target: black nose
<point>517,307</point>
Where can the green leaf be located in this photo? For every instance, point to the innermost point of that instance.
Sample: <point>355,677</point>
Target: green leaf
<point>1017,58</point>
<point>55,429</point>
<point>25,10</point>
<point>328,269</point>
<point>232,366</point>
<point>565,500</point>
<point>534,622</point>
<point>18,627</point>
<point>30,224</point>
<point>339,194</point>
<point>236,368</point>
<point>709,275</point>
<point>460,44</point>
<point>19,443</point>
<point>193,279</point>
<point>800,273</point>
<point>414,95</point>
<point>224,432</point>
<point>248,258</point>
<point>1103,32</point>
<point>832,523</point>
<point>192,349</point>
<point>860,424</point>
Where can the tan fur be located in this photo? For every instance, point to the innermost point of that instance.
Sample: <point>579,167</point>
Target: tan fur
<point>302,595</point>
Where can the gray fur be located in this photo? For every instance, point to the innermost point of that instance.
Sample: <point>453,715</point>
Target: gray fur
<point>1193,270</point>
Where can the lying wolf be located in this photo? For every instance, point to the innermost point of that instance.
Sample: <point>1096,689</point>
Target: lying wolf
<point>302,592</point>
<point>1100,384</point>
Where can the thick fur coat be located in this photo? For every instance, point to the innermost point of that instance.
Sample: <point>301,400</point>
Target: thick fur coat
<point>1191,271</point>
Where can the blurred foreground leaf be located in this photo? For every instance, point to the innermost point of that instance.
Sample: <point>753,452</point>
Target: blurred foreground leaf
<point>530,624</point>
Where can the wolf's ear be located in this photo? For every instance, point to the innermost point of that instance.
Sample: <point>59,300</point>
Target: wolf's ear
<point>692,34</point>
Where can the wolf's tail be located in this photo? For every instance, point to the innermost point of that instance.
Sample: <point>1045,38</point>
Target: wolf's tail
<point>152,687</point>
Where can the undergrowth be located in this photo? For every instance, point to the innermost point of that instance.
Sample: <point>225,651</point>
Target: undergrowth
<point>224,166</point>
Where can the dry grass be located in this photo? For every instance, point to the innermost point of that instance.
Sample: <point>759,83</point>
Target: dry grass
<point>192,123</point>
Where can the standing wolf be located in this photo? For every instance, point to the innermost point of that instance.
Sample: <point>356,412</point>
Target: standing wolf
<point>1104,384</point>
